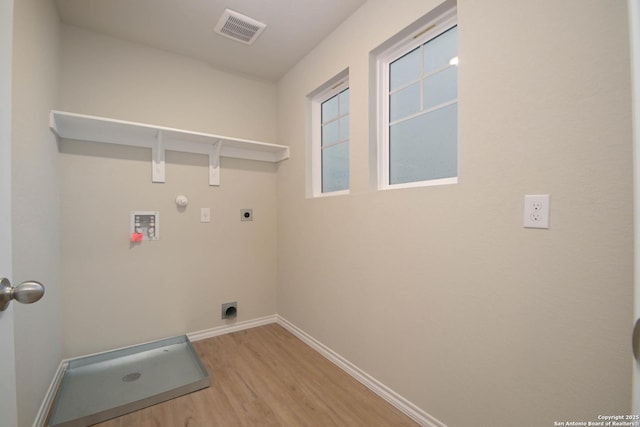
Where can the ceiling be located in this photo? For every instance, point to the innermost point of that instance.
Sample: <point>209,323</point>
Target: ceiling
<point>186,27</point>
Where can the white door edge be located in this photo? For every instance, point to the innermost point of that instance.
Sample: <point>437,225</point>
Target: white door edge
<point>8,403</point>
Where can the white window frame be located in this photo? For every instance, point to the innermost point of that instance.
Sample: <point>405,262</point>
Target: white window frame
<point>405,45</point>
<point>314,158</point>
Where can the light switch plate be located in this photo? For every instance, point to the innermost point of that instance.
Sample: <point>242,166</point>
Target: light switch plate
<point>205,214</point>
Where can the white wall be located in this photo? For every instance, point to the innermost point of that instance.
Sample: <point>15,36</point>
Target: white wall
<point>116,294</point>
<point>36,217</point>
<point>113,78</point>
<point>439,292</point>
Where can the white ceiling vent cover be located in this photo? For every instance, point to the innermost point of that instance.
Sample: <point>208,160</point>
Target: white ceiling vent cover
<point>239,27</point>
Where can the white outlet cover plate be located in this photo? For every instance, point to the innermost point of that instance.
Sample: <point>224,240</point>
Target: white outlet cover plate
<point>536,211</point>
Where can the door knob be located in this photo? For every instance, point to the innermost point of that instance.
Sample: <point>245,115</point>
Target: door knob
<point>25,292</point>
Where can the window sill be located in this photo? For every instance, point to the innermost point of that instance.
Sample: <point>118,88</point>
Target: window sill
<point>431,183</point>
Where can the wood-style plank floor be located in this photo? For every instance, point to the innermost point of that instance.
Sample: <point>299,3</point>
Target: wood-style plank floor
<point>265,376</point>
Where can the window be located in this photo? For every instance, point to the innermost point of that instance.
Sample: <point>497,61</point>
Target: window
<point>330,138</point>
<point>418,96</point>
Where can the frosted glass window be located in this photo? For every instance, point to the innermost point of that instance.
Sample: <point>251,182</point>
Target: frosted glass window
<point>344,102</point>
<point>439,51</point>
<point>422,108</point>
<point>440,87</point>
<point>330,109</point>
<point>404,102</point>
<point>424,148</point>
<point>344,128</point>
<point>327,159</point>
<point>335,168</point>
<point>334,150</point>
<point>405,69</point>
<point>330,133</point>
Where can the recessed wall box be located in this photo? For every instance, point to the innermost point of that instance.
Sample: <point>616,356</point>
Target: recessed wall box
<point>145,223</point>
<point>246,214</point>
<point>229,310</point>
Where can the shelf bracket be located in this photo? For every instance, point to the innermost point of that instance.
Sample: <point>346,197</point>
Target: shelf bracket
<point>157,159</point>
<point>214,163</point>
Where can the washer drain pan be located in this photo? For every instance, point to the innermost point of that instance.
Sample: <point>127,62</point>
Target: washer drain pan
<point>107,385</point>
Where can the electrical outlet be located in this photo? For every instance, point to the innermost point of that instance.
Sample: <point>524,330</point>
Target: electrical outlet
<point>536,211</point>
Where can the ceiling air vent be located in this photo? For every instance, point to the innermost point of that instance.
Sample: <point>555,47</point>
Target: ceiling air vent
<point>239,27</point>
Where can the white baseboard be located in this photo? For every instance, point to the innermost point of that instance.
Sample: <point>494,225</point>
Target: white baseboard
<point>41,416</point>
<point>232,327</point>
<point>402,404</point>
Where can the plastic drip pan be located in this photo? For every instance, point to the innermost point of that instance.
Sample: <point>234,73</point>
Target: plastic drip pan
<point>108,385</point>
